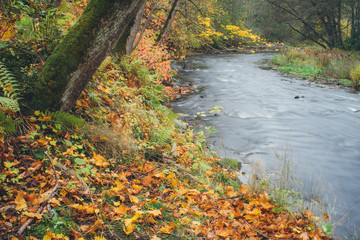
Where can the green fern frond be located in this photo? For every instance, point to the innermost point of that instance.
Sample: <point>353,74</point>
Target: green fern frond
<point>65,118</point>
<point>9,103</point>
<point>8,83</point>
<point>161,136</point>
<point>7,123</point>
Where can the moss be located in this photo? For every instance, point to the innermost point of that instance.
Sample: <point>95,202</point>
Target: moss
<point>68,56</point>
<point>230,163</point>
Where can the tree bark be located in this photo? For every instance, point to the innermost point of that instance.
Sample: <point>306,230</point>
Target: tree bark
<point>134,30</point>
<point>168,22</point>
<point>74,61</point>
<point>145,26</point>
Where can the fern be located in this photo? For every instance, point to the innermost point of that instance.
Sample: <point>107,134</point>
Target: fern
<point>67,119</point>
<point>9,103</point>
<point>161,136</point>
<point>8,83</point>
<point>7,124</point>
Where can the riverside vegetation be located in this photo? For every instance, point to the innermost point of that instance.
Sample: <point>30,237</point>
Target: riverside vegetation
<point>120,165</point>
<point>321,65</point>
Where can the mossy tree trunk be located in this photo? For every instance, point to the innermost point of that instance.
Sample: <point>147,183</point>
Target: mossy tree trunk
<point>74,61</point>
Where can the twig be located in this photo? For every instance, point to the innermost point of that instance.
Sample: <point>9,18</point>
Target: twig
<point>49,195</point>
<point>30,171</point>
<point>4,209</point>
<point>254,229</point>
<point>53,167</point>
<point>27,223</point>
<point>232,197</point>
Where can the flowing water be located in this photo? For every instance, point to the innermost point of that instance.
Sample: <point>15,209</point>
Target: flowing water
<point>266,117</point>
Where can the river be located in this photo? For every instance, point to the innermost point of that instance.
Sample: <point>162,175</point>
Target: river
<point>266,117</point>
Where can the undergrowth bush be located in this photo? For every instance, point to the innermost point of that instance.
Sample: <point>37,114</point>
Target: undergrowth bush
<point>355,77</point>
<point>316,62</point>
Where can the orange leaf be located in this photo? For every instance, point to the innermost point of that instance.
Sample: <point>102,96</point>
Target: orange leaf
<point>243,189</point>
<point>20,201</point>
<point>304,236</point>
<point>146,181</point>
<point>100,161</point>
<point>33,215</point>
<point>134,199</point>
<point>168,228</point>
<point>154,213</point>
<point>122,210</point>
<point>128,227</point>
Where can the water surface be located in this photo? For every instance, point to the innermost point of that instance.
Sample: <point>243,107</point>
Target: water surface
<point>265,114</point>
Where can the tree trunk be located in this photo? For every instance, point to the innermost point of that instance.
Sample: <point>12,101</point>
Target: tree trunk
<point>134,30</point>
<point>144,27</point>
<point>168,22</point>
<point>74,61</point>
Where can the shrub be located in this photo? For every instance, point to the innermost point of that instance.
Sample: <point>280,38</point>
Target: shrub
<point>355,77</point>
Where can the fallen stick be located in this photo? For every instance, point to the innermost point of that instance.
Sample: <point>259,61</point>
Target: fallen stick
<point>254,229</point>
<point>30,171</point>
<point>233,197</point>
<point>4,209</point>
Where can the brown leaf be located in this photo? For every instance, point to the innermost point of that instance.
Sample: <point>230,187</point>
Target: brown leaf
<point>304,236</point>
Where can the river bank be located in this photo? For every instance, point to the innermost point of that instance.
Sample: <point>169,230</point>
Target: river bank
<point>330,67</point>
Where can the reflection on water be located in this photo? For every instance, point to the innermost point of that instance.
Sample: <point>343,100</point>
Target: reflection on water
<point>317,127</point>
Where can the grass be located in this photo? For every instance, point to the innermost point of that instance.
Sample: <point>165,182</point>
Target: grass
<point>327,66</point>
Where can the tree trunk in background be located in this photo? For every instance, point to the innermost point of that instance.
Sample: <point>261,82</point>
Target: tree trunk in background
<point>144,27</point>
<point>164,31</point>
<point>74,61</point>
<point>134,30</point>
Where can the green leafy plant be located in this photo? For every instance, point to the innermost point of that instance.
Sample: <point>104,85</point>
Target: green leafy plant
<point>10,88</point>
<point>7,124</point>
<point>355,77</point>
<point>65,118</point>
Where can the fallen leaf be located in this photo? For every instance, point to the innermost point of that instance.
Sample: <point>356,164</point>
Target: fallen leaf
<point>20,201</point>
<point>133,199</point>
<point>100,161</point>
<point>304,236</point>
<point>33,215</point>
<point>167,228</point>
<point>154,213</point>
<point>121,210</point>
<point>155,238</point>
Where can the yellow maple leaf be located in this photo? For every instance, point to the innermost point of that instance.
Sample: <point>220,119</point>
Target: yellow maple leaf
<point>121,210</point>
<point>8,35</point>
<point>133,199</point>
<point>100,161</point>
<point>154,213</point>
<point>168,228</point>
<point>100,238</point>
<point>33,215</point>
<point>47,237</point>
<point>20,201</point>
<point>128,227</point>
